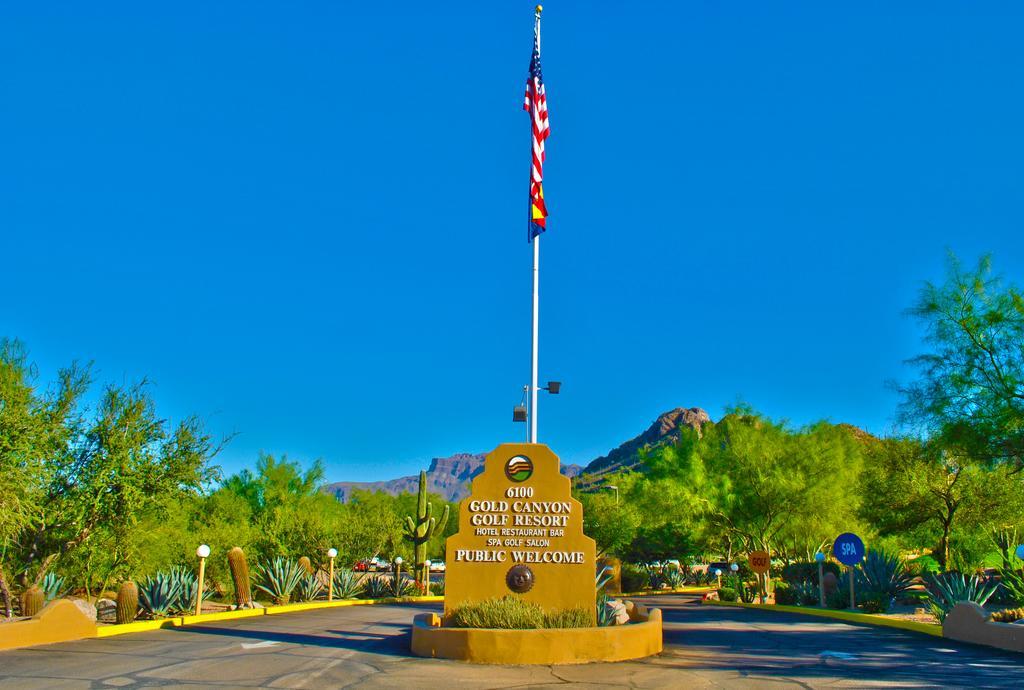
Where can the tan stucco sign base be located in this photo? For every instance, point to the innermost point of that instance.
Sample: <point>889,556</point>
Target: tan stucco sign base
<point>521,514</point>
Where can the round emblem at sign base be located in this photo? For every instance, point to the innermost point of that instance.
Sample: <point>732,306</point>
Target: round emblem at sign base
<point>519,579</point>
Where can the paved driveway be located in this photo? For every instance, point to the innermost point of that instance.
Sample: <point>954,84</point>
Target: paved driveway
<point>366,647</point>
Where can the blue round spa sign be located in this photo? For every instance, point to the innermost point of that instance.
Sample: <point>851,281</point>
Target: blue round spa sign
<point>848,549</point>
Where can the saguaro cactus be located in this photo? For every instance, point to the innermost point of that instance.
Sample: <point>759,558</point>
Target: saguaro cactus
<point>240,575</point>
<point>420,530</point>
<point>32,601</point>
<point>127,602</point>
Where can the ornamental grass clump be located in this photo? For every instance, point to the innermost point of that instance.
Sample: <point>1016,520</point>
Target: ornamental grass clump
<point>1008,615</point>
<point>278,578</point>
<point>514,613</point>
<point>946,591</point>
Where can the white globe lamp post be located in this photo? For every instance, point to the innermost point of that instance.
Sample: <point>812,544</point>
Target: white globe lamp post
<point>203,552</point>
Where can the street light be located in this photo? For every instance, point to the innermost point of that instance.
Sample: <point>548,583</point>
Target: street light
<point>521,412</point>
<point>203,552</point>
<point>734,567</point>
<point>332,553</point>
<point>820,558</point>
<point>616,489</point>
<point>426,584</point>
<point>718,573</point>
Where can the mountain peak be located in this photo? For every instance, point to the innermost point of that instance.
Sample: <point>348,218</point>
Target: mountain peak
<point>664,429</point>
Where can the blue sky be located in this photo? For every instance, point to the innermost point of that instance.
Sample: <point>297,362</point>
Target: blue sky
<point>305,221</point>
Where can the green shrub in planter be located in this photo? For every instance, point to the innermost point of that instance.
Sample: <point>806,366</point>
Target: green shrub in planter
<point>1008,615</point>
<point>513,613</point>
<point>786,595</point>
<point>634,578</point>
<point>923,566</point>
<point>839,599</point>
<point>727,594</point>
<point>807,571</point>
<point>875,602</point>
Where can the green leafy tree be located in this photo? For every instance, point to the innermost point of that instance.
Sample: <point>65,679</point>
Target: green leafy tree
<point>970,394</point>
<point>611,522</point>
<point>755,484</point>
<point>926,495</point>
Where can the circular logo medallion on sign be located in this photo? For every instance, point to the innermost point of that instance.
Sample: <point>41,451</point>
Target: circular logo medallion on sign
<point>519,468</point>
<point>519,579</point>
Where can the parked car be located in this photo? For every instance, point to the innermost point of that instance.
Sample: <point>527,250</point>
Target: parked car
<point>437,566</point>
<point>361,566</point>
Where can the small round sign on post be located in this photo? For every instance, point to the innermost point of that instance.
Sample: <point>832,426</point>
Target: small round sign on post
<point>760,561</point>
<point>848,549</point>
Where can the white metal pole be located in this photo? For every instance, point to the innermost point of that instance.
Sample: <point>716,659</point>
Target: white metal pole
<point>536,296</point>
<point>536,324</point>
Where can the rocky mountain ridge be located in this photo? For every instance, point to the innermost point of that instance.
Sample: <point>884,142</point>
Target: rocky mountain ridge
<point>448,477</point>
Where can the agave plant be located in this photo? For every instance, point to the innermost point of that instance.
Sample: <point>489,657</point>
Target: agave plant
<point>883,574</point>
<point>376,587</point>
<point>1013,585</point>
<point>401,587</point>
<point>347,584</point>
<point>673,577</point>
<point>160,595</point>
<point>189,585</point>
<point>946,591</point>
<point>279,578</point>
<point>53,586</point>
<point>654,578</point>
<point>309,587</point>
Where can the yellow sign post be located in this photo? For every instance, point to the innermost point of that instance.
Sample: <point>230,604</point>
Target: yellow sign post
<point>760,562</point>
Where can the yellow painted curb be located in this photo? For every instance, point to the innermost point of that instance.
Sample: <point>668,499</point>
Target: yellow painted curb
<point>933,629</point>
<point>221,616</point>
<point>659,592</point>
<point>308,605</point>
<point>137,626</point>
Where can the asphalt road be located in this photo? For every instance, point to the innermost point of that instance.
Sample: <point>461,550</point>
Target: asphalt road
<point>367,647</point>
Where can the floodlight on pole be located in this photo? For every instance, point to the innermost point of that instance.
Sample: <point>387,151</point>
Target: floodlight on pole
<point>614,488</point>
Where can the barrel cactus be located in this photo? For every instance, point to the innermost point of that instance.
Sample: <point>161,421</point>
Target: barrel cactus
<point>240,575</point>
<point>306,565</point>
<point>127,602</point>
<point>32,601</point>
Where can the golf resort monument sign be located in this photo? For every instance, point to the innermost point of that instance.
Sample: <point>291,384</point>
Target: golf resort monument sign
<point>521,537</point>
<point>521,532</point>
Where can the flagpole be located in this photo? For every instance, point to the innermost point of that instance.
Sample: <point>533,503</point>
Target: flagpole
<point>536,294</point>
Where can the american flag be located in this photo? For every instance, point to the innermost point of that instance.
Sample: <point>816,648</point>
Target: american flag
<point>536,103</point>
